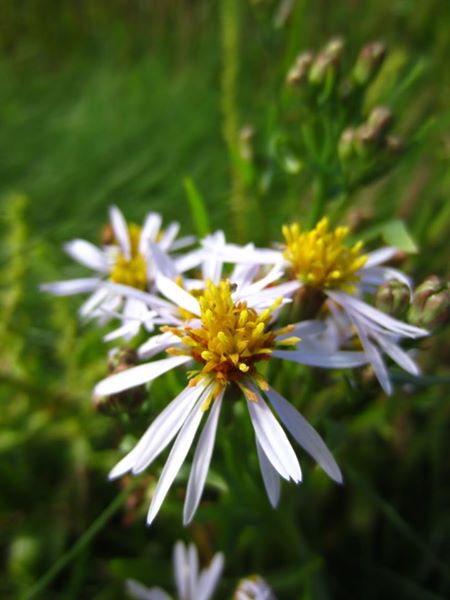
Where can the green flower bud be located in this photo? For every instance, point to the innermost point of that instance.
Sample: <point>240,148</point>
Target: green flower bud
<point>128,400</point>
<point>366,139</point>
<point>334,48</point>
<point>368,64</point>
<point>394,144</point>
<point>300,68</point>
<point>380,119</point>
<point>326,62</point>
<point>431,304</point>
<point>393,298</point>
<point>346,145</point>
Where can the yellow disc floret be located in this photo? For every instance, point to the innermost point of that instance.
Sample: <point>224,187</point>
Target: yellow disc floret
<point>131,271</point>
<point>231,338</point>
<point>320,258</point>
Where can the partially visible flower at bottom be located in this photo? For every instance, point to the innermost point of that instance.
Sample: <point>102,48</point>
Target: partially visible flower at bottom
<point>253,588</point>
<point>191,583</point>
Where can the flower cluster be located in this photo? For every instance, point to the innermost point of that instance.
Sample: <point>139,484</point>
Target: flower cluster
<point>227,311</point>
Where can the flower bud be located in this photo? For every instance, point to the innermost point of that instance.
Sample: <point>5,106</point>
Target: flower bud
<point>326,62</point>
<point>431,304</point>
<point>393,298</point>
<point>380,119</point>
<point>346,145</point>
<point>128,400</point>
<point>299,69</point>
<point>253,588</point>
<point>394,144</point>
<point>368,63</point>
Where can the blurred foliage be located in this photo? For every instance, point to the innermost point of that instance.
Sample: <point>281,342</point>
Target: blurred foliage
<point>121,102</point>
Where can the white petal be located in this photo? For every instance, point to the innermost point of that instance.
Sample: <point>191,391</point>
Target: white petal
<point>165,428</point>
<point>168,236</point>
<point>209,578</point>
<point>120,229</point>
<point>397,354</point>
<point>304,434</point>
<point>137,375</point>
<point>130,292</point>
<point>180,243</point>
<point>156,344</point>
<point>379,275</point>
<point>71,286</point>
<point>260,256</point>
<point>270,476</point>
<point>149,233</point>
<point>177,295</point>
<point>340,359</point>
<point>93,302</point>
<point>375,315</point>
<point>175,460</point>
<point>375,358</point>
<point>163,263</point>
<point>305,329</point>
<point>202,459</point>
<point>273,440</point>
<point>192,557</point>
<point>87,254</point>
<point>181,567</point>
<point>377,257</point>
<point>140,592</point>
<point>189,261</point>
<point>159,434</point>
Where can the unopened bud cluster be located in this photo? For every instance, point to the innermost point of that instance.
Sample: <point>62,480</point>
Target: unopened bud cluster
<point>430,307</point>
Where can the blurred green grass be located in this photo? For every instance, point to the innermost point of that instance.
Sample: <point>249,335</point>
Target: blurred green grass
<point>118,103</point>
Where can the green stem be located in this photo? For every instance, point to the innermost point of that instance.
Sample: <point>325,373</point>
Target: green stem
<point>80,544</point>
<point>319,198</point>
<point>229,20</point>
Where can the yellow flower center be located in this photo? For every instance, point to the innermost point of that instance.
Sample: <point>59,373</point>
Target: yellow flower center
<point>131,271</point>
<point>231,339</point>
<point>319,257</point>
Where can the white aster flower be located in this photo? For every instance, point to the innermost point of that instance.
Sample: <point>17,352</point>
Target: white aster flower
<point>253,588</point>
<point>320,262</point>
<point>227,338</point>
<point>191,583</point>
<point>130,259</point>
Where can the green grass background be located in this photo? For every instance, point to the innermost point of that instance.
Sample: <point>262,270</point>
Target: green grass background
<point>118,102</point>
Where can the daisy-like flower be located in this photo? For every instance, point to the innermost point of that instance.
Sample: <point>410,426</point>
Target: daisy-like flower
<point>191,583</point>
<point>227,339</point>
<point>126,261</point>
<point>253,588</point>
<point>336,275</point>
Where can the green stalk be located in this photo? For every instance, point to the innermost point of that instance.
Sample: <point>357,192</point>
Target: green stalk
<point>79,545</point>
<point>319,199</point>
<point>229,22</point>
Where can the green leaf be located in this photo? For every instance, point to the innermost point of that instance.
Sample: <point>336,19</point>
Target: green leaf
<point>394,233</point>
<point>198,208</point>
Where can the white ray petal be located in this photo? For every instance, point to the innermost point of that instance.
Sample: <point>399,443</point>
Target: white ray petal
<point>92,302</point>
<point>379,275</point>
<point>240,254</point>
<point>168,236</point>
<point>192,558</point>
<point>149,233</point>
<point>304,434</point>
<point>189,261</point>
<point>273,440</point>
<point>375,315</point>
<point>156,344</point>
<point>377,257</point>
<point>274,274</point>
<point>175,460</point>
<point>137,375</point>
<point>71,286</point>
<point>180,567</point>
<point>305,329</point>
<point>87,254</point>
<point>177,295</point>
<point>340,359</point>
<point>163,263</point>
<point>130,292</point>
<point>375,358</point>
<point>140,592</point>
<point>183,242</point>
<point>270,476</point>
<point>120,229</point>
<point>397,354</point>
<point>165,428</point>
<point>201,461</point>
<point>210,577</point>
